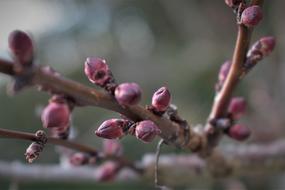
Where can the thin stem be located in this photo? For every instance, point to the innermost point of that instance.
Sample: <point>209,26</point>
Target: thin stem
<point>222,99</point>
<point>5,133</point>
<point>156,163</point>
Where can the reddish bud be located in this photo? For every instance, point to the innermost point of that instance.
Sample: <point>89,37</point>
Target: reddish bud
<point>56,115</point>
<point>161,99</point>
<point>112,128</point>
<point>107,171</point>
<point>78,159</point>
<point>263,47</point>
<point>21,46</point>
<point>239,132</point>
<point>251,16</point>
<point>128,93</point>
<point>112,147</point>
<point>97,71</point>
<point>233,3</point>
<point>237,107</point>
<point>33,151</point>
<point>267,45</point>
<point>224,71</point>
<point>146,131</point>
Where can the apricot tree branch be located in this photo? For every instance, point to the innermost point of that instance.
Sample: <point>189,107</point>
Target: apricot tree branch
<point>222,98</point>
<point>82,95</point>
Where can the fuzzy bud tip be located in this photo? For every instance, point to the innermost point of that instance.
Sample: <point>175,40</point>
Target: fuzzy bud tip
<point>251,16</point>
<point>128,94</point>
<point>56,115</point>
<point>112,128</point>
<point>146,131</point>
<point>97,71</point>
<point>161,99</point>
<point>21,46</point>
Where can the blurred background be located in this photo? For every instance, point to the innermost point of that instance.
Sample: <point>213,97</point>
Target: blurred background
<point>179,44</point>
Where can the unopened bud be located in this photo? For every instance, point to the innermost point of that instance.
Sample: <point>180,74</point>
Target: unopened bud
<point>267,45</point>
<point>107,171</point>
<point>21,46</point>
<point>112,128</point>
<point>97,71</point>
<point>112,147</point>
<point>56,115</point>
<point>223,73</point>
<point>239,132</point>
<point>251,16</point>
<point>33,151</point>
<point>161,99</point>
<point>78,159</point>
<point>263,47</point>
<point>233,3</point>
<point>146,131</point>
<point>128,94</point>
<point>224,70</point>
<point>237,107</point>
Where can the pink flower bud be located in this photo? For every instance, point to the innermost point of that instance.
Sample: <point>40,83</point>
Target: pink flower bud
<point>112,147</point>
<point>33,151</point>
<point>233,3</point>
<point>251,16</point>
<point>263,47</point>
<point>56,115</point>
<point>161,99</point>
<point>224,71</point>
<point>128,93</point>
<point>21,46</point>
<point>146,131</point>
<point>78,159</point>
<point>112,128</point>
<point>267,45</point>
<point>237,107</point>
<point>107,171</point>
<point>239,132</point>
<point>97,71</point>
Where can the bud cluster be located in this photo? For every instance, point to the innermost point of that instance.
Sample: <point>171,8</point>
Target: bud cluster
<point>56,117</point>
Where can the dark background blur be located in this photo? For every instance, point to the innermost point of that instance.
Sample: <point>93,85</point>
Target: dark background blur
<point>179,44</point>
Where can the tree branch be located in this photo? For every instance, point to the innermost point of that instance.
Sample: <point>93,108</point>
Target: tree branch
<point>222,99</point>
<point>5,133</point>
<point>247,160</point>
<point>47,80</point>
